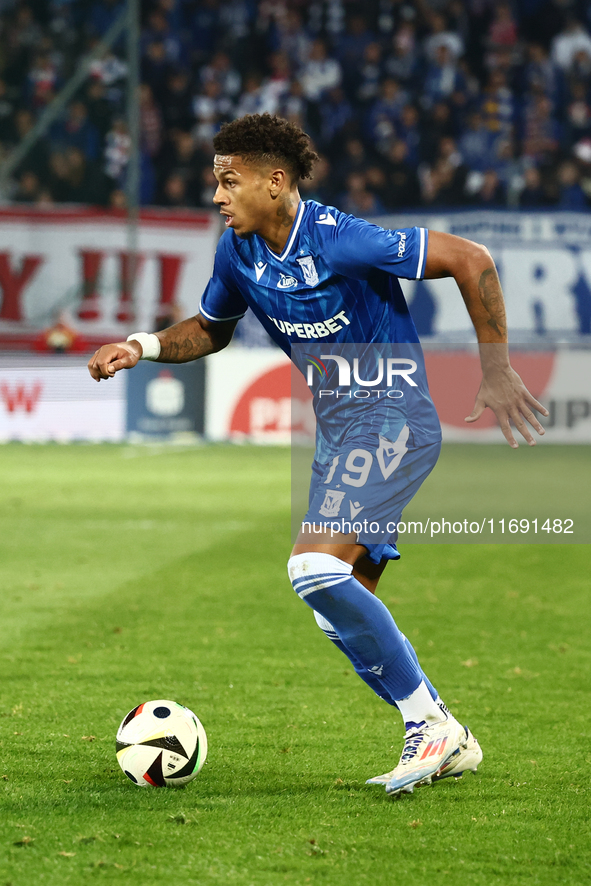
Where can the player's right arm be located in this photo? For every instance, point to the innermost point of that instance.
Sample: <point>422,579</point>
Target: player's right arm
<point>181,343</point>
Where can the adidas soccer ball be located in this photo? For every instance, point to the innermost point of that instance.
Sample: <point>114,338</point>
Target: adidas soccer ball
<point>161,743</point>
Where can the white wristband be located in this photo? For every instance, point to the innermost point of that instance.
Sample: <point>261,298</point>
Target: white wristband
<point>150,344</point>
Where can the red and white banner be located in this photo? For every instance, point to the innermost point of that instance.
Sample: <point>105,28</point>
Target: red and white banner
<point>55,399</point>
<point>248,395</point>
<point>78,258</point>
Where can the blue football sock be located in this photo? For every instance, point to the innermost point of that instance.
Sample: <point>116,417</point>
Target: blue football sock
<point>362,622</point>
<point>367,677</point>
<point>429,685</point>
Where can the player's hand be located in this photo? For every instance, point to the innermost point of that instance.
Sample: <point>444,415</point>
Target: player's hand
<point>503,391</point>
<point>109,359</point>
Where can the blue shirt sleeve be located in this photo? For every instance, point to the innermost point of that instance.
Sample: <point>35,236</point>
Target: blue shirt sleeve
<point>354,248</point>
<point>222,299</point>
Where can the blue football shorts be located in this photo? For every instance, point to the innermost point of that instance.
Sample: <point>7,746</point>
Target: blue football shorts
<point>366,486</point>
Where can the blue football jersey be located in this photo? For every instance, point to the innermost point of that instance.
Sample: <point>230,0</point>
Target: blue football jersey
<point>334,284</point>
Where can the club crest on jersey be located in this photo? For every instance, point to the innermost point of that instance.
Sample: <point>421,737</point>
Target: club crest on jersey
<point>286,282</point>
<point>309,270</point>
<point>331,505</point>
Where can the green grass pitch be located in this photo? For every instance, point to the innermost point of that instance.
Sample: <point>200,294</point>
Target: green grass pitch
<point>133,573</point>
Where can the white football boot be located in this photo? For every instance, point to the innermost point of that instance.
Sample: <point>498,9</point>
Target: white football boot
<point>467,758</point>
<point>426,751</point>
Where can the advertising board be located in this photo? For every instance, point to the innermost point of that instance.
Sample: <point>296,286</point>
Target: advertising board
<point>249,394</point>
<point>46,399</point>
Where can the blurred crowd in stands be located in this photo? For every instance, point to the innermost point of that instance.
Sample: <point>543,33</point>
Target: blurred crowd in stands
<point>410,103</point>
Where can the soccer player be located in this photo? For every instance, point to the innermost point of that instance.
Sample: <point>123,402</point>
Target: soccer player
<point>315,276</point>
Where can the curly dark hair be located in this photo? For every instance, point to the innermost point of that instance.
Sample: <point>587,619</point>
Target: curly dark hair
<point>269,139</point>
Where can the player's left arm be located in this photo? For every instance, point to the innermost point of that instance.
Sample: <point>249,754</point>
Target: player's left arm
<point>502,390</point>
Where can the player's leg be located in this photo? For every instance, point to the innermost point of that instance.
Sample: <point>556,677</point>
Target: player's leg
<point>322,575</point>
<point>468,756</point>
<point>381,494</point>
<point>321,569</point>
<point>368,574</point>
<point>368,633</point>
